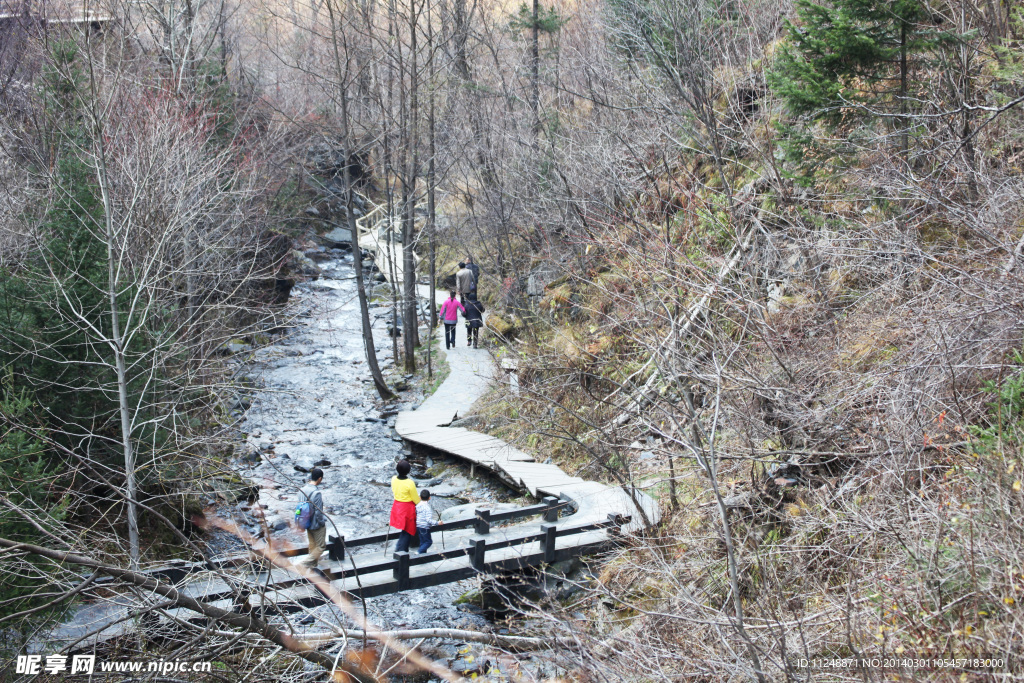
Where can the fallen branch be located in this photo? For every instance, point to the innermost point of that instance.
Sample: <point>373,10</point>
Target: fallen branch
<point>245,622</point>
<point>448,633</point>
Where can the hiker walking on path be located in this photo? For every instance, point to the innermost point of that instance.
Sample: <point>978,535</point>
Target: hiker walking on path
<point>450,315</point>
<point>474,320</point>
<point>309,515</point>
<point>424,521</point>
<point>475,269</point>
<point>465,282</point>
<point>403,510</point>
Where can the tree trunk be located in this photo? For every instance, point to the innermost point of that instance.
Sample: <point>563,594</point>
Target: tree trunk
<point>535,67</point>
<point>117,342</point>
<point>410,327</point>
<point>357,264</point>
<point>460,36</point>
<point>357,259</point>
<point>904,136</point>
<point>431,201</point>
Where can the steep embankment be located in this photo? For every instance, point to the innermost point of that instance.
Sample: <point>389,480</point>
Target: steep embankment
<point>820,385</point>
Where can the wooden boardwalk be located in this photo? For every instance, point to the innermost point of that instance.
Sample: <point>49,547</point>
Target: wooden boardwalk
<point>245,583</point>
<point>381,235</point>
<point>472,374</point>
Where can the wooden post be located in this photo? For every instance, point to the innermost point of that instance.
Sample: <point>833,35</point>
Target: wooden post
<point>336,548</point>
<point>549,542</point>
<point>551,514</point>
<point>482,523</point>
<point>477,548</point>
<point>401,572</point>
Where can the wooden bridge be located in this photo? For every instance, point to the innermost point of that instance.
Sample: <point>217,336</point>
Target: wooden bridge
<point>485,543</point>
<point>473,546</point>
<point>381,236</point>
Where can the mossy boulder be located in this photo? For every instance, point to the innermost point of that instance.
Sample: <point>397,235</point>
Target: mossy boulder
<point>501,327</point>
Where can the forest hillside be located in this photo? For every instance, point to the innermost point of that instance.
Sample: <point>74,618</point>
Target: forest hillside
<point>762,261</point>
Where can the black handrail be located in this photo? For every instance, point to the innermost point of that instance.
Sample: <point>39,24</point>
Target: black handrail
<point>401,563</point>
<point>482,519</point>
<point>549,507</point>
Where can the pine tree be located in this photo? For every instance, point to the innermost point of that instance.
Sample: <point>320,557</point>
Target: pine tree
<point>26,475</point>
<point>855,59</point>
<point>536,21</point>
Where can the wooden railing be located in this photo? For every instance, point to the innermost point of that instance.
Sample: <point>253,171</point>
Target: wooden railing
<point>401,563</point>
<point>481,521</point>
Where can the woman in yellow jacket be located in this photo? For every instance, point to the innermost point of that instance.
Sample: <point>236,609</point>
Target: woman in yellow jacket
<point>403,510</point>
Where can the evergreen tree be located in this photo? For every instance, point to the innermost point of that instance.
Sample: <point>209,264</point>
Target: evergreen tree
<point>41,345</point>
<point>26,472</point>
<point>536,20</point>
<point>855,58</point>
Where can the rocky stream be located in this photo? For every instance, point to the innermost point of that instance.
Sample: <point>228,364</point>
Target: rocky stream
<point>310,403</point>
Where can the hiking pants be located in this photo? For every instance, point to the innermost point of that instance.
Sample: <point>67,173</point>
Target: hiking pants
<point>404,538</point>
<point>425,540</point>
<point>317,544</point>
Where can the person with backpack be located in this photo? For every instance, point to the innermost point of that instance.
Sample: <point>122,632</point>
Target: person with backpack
<point>465,282</point>
<point>424,521</point>
<point>403,509</point>
<point>309,516</point>
<point>475,269</point>
<point>474,320</point>
<point>450,315</point>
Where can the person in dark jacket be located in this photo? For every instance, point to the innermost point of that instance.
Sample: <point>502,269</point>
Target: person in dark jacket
<point>475,269</point>
<point>474,315</point>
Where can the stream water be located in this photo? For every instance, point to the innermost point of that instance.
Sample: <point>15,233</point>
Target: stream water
<point>315,405</point>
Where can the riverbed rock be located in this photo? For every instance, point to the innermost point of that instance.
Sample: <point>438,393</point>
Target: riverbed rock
<point>339,238</point>
<point>468,511</point>
<point>303,265</point>
<point>445,491</point>
<point>236,346</point>
<point>395,330</point>
<point>469,422</point>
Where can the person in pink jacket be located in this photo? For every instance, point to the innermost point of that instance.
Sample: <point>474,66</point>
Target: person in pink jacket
<point>450,315</point>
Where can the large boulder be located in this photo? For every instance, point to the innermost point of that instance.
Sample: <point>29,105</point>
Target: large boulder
<point>338,238</point>
<point>539,278</point>
<point>300,264</point>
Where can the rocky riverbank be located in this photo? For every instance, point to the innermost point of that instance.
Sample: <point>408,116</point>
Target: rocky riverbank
<point>314,405</point>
